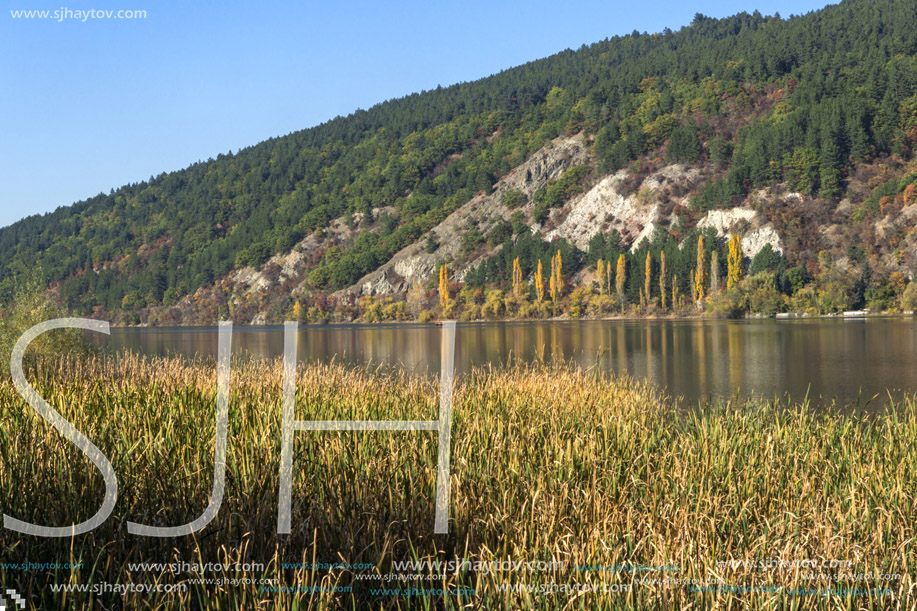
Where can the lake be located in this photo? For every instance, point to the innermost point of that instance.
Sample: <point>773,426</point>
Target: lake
<point>847,360</point>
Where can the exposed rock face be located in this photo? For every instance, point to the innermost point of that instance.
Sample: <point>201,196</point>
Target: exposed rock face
<point>600,209</point>
<point>634,216</point>
<point>413,263</point>
<point>290,266</point>
<point>745,221</point>
<point>724,220</point>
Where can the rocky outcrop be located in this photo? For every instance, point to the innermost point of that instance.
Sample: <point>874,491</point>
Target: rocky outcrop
<point>604,207</point>
<point>755,231</point>
<point>414,264</point>
<point>634,216</point>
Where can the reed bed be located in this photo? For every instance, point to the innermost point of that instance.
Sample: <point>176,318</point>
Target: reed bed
<point>602,479</point>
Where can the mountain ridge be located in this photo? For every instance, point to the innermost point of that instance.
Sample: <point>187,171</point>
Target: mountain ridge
<point>757,108</point>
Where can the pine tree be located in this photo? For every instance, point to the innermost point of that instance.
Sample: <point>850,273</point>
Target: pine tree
<point>648,277</point>
<point>735,262</point>
<point>662,279</point>
<point>700,272</point>
<point>621,276</point>
<point>600,275</point>
<point>539,282</point>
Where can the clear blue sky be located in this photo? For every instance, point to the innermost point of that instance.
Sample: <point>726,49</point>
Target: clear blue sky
<point>87,106</point>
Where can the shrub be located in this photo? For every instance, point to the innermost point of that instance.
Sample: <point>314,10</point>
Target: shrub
<point>908,299</point>
<point>514,198</point>
<point>26,305</point>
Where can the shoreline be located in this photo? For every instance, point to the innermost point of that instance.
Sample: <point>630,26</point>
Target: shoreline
<point>850,315</point>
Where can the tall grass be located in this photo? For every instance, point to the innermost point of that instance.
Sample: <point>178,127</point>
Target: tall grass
<point>548,463</point>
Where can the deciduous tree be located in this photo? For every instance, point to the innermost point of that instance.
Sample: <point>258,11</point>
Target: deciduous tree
<point>735,262</point>
<point>700,272</point>
<point>621,276</point>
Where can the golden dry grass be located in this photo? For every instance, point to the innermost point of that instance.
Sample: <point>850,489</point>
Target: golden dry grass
<point>549,463</point>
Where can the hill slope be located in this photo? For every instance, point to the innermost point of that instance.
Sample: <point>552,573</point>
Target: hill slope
<point>794,133</point>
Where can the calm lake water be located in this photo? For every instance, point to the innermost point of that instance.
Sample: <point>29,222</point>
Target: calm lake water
<point>847,360</point>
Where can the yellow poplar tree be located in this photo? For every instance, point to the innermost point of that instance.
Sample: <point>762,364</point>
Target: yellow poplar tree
<point>620,275</point>
<point>700,273</point>
<point>297,311</point>
<point>675,291</point>
<point>553,283</point>
<point>662,279</point>
<point>648,277</point>
<point>557,278</point>
<point>714,273</point>
<point>736,269</point>
<point>517,279</point>
<point>443,286</point>
<point>560,276</point>
<point>539,282</point>
<point>608,275</point>
<point>600,275</point>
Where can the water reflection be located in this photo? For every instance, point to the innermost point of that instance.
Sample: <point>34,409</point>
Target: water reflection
<point>843,359</point>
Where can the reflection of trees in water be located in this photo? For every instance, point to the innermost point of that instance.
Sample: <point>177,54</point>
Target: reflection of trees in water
<point>690,358</point>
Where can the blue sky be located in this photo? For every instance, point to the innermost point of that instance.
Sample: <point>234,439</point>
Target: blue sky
<point>91,105</point>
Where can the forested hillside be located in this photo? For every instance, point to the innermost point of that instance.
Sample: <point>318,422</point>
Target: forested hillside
<point>809,121</point>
